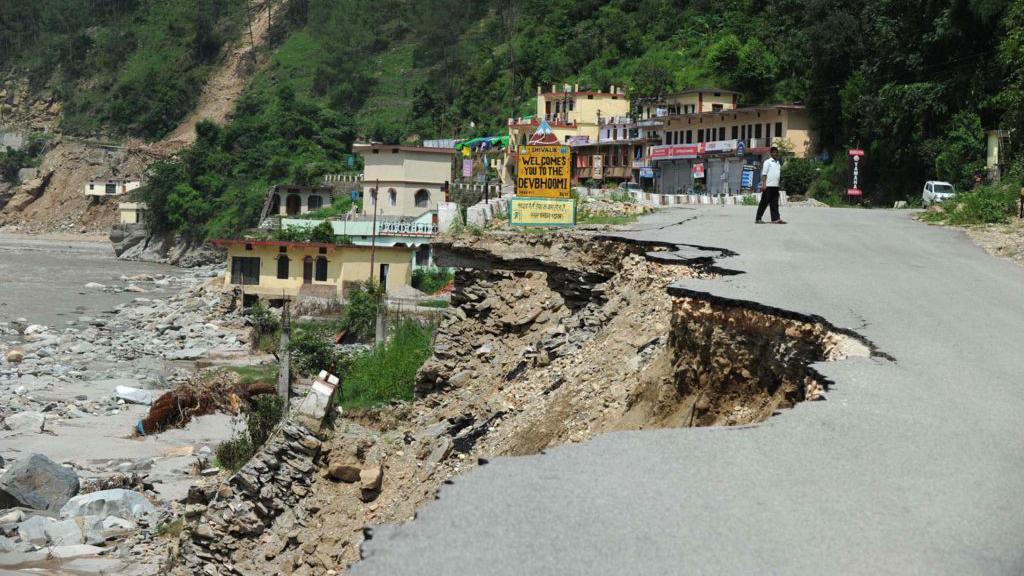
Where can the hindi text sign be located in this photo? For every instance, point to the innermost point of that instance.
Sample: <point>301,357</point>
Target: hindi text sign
<point>541,211</point>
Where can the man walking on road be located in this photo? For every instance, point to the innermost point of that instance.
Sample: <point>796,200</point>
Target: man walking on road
<point>771,176</point>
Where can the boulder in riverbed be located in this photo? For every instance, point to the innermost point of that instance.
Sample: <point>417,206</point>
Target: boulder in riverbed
<point>39,483</point>
<point>118,502</point>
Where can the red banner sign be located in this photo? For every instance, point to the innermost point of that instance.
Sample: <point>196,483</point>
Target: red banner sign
<point>676,151</point>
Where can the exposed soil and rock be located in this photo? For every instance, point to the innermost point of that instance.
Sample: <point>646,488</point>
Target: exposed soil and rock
<point>552,339</point>
<point>1002,240</point>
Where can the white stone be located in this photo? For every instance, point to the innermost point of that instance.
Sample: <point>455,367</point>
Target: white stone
<point>118,502</point>
<point>75,551</point>
<point>25,422</point>
<point>33,530</point>
<point>95,286</point>
<point>134,395</point>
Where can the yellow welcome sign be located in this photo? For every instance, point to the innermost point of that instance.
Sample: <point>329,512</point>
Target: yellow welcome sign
<point>541,212</point>
<point>543,171</point>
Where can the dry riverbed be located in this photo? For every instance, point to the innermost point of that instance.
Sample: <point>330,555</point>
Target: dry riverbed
<point>75,325</point>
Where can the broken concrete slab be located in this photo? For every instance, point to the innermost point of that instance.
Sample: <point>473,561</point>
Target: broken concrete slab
<point>320,397</point>
<point>38,483</point>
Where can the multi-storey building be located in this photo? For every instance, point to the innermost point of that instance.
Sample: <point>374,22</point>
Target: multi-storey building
<point>574,115</point>
<point>408,180</point>
<point>706,140</point>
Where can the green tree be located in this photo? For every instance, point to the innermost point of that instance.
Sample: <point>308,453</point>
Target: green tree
<point>961,151</point>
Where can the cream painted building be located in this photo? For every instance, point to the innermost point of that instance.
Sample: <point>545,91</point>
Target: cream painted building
<point>289,200</point>
<point>275,269</point>
<point>111,186</point>
<point>408,180</point>
<point>132,212</point>
<point>706,140</point>
<point>574,116</point>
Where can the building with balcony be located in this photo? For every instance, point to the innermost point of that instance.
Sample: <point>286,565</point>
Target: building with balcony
<point>620,149</point>
<point>573,113</point>
<point>404,181</point>
<point>391,231</point>
<point>291,200</point>
<point>709,137</point>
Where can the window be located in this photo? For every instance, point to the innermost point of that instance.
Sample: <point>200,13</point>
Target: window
<point>110,189</point>
<point>321,269</point>
<point>245,270</point>
<point>716,107</point>
<point>700,135</point>
<point>778,129</point>
<point>422,198</point>
<point>322,250</point>
<point>735,132</point>
<point>248,247</point>
<point>282,267</point>
<point>757,131</point>
<point>92,186</point>
<point>315,202</point>
<point>373,197</point>
<point>689,136</point>
<point>721,133</point>
<point>392,197</point>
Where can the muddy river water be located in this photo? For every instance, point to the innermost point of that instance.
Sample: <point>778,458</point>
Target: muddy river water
<point>43,279</point>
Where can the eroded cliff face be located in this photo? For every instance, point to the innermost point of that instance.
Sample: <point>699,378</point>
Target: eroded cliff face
<point>550,339</point>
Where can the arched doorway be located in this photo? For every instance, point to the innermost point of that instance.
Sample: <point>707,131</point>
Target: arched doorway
<point>293,205</point>
<point>307,270</point>
<point>422,198</point>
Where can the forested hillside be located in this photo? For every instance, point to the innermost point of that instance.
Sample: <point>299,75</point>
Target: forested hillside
<point>915,83</point>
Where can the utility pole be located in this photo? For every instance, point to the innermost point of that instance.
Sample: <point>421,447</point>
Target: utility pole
<point>284,372</point>
<point>373,230</point>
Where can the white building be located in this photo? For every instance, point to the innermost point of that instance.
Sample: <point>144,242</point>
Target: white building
<point>112,185</point>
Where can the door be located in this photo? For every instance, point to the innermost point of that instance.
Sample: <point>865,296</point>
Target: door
<point>307,270</point>
<point>384,268</point>
<point>293,204</point>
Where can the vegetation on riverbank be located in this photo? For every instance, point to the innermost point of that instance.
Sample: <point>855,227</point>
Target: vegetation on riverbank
<point>388,371</point>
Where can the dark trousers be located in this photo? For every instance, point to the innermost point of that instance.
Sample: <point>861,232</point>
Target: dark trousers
<point>769,199</point>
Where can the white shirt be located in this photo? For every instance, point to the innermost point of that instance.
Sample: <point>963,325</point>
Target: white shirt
<point>772,171</point>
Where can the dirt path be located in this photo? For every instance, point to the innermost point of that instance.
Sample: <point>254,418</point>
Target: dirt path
<point>226,84</point>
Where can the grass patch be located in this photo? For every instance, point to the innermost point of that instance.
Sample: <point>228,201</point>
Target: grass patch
<point>994,204</point>
<point>748,200</point>
<point>431,280</point>
<point>261,374</point>
<point>435,303</point>
<point>388,372</point>
<point>266,411</point>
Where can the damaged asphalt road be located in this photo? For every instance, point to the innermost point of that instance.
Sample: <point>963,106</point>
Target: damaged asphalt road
<point>911,467</point>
